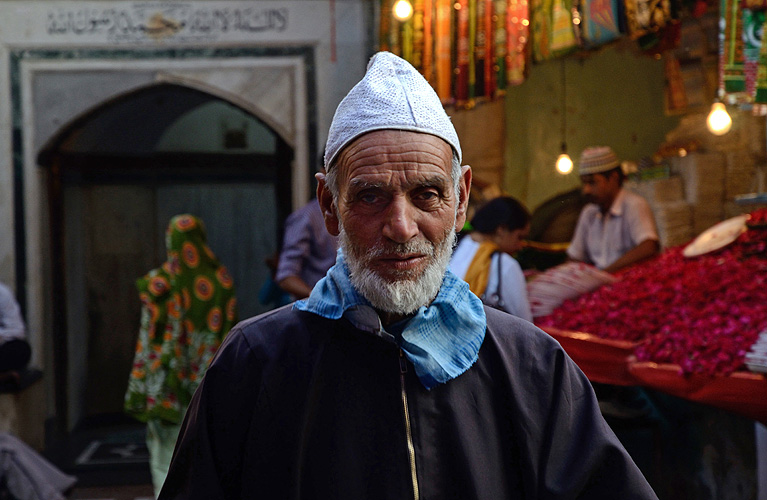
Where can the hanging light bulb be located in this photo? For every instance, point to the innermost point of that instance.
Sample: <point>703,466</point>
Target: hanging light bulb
<point>564,163</point>
<point>718,121</point>
<point>402,10</point>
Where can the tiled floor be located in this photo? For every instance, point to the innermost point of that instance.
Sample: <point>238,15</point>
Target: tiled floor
<point>109,460</point>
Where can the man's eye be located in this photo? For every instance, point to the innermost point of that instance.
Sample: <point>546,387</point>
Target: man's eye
<point>427,195</point>
<point>368,197</point>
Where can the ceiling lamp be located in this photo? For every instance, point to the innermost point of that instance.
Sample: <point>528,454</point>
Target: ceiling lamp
<point>402,10</point>
<point>718,121</point>
<point>564,164</point>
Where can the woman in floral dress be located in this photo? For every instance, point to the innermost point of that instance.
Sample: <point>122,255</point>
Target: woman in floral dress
<point>188,305</point>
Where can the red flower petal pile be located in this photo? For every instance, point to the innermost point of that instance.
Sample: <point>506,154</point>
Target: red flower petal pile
<point>701,313</point>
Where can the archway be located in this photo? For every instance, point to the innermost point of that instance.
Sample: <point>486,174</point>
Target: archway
<point>115,177</point>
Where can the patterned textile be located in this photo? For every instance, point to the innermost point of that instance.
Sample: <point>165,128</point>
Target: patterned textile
<point>187,307</point>
<point>441,340</point>
<point>646,16</point>
<point>443,69</point>
<point>517,48</point>
<point>753,25</point>
<point>462,51</point>
<point>760,91</point>
<point>733,78</point>
<point>553,34</point>
<point>599,21</point>
<point>468,50</point>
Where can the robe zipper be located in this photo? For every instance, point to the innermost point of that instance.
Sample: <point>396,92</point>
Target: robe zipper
<point>408,433</point>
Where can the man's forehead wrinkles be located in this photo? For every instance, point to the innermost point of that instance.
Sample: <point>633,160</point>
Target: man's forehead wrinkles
<point>380,155</point>
<point>399,178</point>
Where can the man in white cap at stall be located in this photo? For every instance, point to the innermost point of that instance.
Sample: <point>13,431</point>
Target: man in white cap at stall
<point>616,228</point>
<point>391,380</point>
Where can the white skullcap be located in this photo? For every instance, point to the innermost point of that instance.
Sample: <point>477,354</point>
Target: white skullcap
<point>392,95</point>
<point>597,159</point>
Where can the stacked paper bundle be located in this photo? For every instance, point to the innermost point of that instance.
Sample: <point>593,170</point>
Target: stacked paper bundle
<point>657,191</point>
<point>756,357</point>
<point>740,172</point>
<point>703,175</point>
<point>673,215</point>
<point>549,289</point>
<point>674,220</point>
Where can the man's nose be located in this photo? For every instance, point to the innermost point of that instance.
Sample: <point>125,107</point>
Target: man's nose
<point>400,225</point>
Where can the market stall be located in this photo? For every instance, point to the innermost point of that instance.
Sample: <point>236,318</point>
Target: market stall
<point>687,323</point>
<point>613,362</point>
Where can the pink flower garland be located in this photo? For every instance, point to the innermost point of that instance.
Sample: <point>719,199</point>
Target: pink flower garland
<point>700,313</point>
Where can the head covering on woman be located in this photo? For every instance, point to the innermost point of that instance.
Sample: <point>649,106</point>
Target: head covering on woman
<point>188,306</point>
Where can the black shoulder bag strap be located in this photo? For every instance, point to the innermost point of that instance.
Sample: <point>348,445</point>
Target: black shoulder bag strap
<point>497,298</point>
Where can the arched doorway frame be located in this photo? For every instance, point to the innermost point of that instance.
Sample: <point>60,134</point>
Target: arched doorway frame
<point>199,68</point>
<point>81,343</point>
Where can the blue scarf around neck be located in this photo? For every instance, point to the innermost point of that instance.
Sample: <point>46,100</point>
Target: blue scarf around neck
<point>442,340</point>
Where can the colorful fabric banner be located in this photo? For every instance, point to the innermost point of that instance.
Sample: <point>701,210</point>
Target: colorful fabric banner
<point>599,22</point>
<point>480,51</point>
<point>733,77</point>
<point>488,73</point>
<point>646,16</point>
<point>760,92</point>
<point>540,15</point>
<point>753,24</point>
<point>443,43</point>
<point>553,34</point>
<point>562,34</point>
<point>428,40</point>
<point>518,36</point>
<point>462,52</point>
<point>416,58</point>
<point>500,37</point>
<point>476,49</point>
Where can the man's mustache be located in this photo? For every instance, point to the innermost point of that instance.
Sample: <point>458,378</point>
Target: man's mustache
<point>392,249</point>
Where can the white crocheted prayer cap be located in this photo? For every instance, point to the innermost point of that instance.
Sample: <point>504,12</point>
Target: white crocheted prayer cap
<point>597,159</point>
<point>392,95</point>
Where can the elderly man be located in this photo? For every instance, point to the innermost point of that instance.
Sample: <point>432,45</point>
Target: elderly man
<point>392,381</point>
<point>616,228</point>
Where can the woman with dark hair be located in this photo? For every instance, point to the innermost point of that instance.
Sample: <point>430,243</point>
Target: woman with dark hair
<point>484,257</point>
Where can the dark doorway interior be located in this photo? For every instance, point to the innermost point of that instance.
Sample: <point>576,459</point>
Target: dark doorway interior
<point>116,176</point>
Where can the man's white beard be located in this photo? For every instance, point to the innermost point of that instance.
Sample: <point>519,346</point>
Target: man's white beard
<point>409,291</point>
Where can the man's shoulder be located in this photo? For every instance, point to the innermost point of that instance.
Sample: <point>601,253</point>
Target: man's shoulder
<point>282,326</point>
<point>633,199</point>
<point>589,211</point>
<point>526,349</point>
<point>304,214</point>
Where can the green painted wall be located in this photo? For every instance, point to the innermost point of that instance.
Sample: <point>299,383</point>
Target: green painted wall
<point>614,98</point>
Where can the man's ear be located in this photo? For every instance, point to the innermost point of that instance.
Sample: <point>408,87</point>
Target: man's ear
<point>325,199</point>
<point>464,187</point>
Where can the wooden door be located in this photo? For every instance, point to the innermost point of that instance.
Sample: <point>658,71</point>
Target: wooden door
<point>114,235</point>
